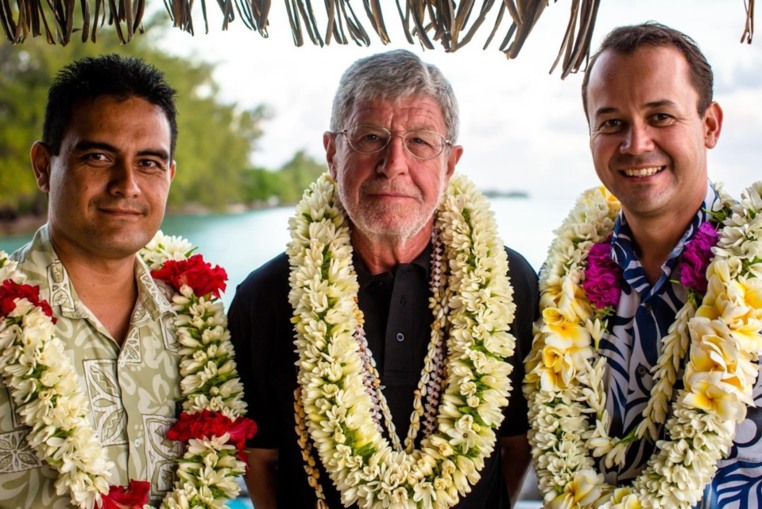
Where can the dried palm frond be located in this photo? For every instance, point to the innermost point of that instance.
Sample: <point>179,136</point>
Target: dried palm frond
<point>525,14</point>
<point>576,49</point>
<point>55,19</point>
<point>449,23</point>
<point>748,32</point>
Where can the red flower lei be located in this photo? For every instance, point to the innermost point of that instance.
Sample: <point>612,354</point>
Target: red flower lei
<point>206,282</point>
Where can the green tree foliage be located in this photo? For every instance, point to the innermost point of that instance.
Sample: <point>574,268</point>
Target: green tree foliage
<point>215,139</point>
<point>284,186</point>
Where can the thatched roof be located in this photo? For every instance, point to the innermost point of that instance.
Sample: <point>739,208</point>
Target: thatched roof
<point>446,23</point>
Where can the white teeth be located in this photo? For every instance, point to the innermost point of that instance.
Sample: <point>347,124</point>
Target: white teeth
<point>642,172</point>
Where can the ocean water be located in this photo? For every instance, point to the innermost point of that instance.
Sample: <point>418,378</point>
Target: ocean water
<point>242,242</point>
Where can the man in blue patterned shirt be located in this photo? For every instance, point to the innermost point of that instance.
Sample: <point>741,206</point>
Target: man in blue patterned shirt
<point>648,99</point>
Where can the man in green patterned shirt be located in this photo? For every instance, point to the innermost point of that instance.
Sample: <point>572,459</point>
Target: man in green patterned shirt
<point>105,161</point>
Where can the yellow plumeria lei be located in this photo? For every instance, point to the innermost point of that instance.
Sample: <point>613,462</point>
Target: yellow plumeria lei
<point>564,383</point>
<point>337,408</point>
<point>43,383</point>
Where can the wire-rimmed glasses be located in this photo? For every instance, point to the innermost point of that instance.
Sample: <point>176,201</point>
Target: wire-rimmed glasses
<point>420,143</point>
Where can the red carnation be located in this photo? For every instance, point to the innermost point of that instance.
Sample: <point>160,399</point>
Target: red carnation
<point>194,272</point>
<point>243,429</point>
<point>11,290</point>
<point>135,496</point>
<point>206,424</point>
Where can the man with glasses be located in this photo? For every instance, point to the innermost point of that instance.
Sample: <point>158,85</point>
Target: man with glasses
<point>384,343</point>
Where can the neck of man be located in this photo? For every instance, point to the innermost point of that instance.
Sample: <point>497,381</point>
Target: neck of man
<point>106,287</point>
<point>656,236</point>
<point>382,253</point>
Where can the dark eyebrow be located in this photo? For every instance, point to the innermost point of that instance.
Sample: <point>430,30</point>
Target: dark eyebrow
<point>651,105</point>
<point>83,145</point>
<point>158,153</point>
<point>661,103</point>
<point>90,145</point>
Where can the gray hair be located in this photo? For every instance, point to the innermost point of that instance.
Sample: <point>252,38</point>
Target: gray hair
<point>391,75</point>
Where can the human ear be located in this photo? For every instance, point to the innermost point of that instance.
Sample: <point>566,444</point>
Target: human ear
<point>41,162</point>
<point>329,143</point>
<point>712,125</point>
<point>454,155</point>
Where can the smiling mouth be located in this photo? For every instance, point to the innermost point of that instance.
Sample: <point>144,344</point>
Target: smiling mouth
<point>642,172</point>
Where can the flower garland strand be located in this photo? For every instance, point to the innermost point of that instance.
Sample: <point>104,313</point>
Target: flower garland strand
<point>602,286</point>
<point>564,383</point>
<point>49,399</point>
<point>338,408</point>
<point>432,363</point>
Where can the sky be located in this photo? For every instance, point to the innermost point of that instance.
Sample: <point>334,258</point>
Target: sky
<point>521,127</point>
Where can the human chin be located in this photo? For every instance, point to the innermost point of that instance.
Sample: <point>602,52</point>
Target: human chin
<point>125,238</point>
<point>393,221</point>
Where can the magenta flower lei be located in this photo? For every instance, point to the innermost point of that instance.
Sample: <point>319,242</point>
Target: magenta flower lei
<point>603,277</point>
<point>696,257</point>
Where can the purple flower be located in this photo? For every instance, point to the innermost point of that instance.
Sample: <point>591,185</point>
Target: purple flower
<point>696,257</point>
<point>603,277</point>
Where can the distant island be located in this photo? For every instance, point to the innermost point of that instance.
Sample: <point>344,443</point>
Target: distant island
<point>497,193</point>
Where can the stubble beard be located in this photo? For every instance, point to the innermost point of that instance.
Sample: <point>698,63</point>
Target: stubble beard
<point>389,221</point>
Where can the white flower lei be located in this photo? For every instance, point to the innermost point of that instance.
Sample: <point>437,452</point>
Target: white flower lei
<point>564,372</point>
<point>43,383</point>
<point>477,309</point>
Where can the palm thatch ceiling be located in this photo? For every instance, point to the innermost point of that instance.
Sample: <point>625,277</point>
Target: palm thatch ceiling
<point>446,23</point>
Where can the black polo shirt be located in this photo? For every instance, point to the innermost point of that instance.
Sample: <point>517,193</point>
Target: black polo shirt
<point>397,327</point>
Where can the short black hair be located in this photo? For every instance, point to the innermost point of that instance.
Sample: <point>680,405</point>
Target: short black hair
<point>106,75</point>
<point>626,40</point>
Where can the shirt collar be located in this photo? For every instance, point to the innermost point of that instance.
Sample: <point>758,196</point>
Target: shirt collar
<point>623,251</point>
<point>154,295</point>
<point>64,297</point>
<point>365,278</point>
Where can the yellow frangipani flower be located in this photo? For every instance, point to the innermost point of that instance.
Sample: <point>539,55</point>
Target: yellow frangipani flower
<point>624,498</point>
<point>582,491</point>
<point>712,396</point>
<point>556,370</point>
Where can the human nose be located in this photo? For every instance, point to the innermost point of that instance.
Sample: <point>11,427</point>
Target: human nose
<point>124,180</point>
<point>395,160</point>
<point>637,140</point>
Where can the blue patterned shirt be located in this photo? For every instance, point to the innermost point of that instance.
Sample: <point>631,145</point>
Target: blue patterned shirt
<point>644,315</point>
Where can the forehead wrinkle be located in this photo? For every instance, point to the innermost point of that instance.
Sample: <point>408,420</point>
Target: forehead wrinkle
<point>422,110</point>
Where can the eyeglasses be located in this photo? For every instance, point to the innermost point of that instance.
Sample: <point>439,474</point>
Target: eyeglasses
<point>420,143</point>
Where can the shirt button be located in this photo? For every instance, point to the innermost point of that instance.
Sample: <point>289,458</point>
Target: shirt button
<point>647,306</point>
<point>137,442</point>
<point>642,370</point>
<point>400,337</point>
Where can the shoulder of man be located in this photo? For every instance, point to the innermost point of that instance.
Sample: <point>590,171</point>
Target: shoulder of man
<point>35,257</point>
<point>526,296</point>
<point>260,297</point>
<point>266,277</point>
<point>520,271</point>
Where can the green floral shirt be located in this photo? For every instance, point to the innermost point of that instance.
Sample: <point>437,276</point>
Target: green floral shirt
<point>132,390</point>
